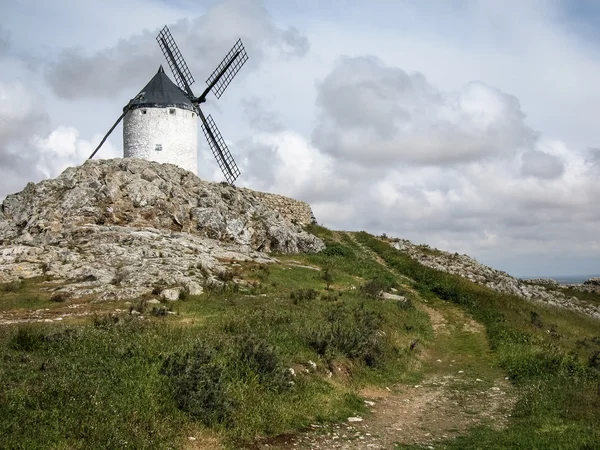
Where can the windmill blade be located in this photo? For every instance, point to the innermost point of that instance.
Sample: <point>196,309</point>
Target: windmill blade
<point>125,111</point>
<point>219,148</point>
<point>178,66</point>
<point>229,67</point>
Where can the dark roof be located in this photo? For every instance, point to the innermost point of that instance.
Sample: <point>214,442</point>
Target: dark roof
<point>161,92</point>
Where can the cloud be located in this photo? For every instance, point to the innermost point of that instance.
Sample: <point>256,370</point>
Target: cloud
<point>5,40</point>
<point>461,170</point>
<point>259,116</point>
<point>541,165</point>
<point>29,149</point>
<point>378,115</point>
<point>203,41</point>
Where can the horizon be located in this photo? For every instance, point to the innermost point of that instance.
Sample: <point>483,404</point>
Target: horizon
<point>469,126</point>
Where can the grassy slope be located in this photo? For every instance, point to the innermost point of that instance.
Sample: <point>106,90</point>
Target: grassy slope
<point>150,384</point>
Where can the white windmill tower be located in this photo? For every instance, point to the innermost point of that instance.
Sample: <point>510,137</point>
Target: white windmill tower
<point>160,123</point>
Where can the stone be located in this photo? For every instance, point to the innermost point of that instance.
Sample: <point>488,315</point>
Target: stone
<point>120,229</point>
<point>170,294</point>
<point>537,290</point>
<point>389,296</point>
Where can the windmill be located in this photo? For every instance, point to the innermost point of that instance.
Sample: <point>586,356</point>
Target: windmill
<point>160,122</point>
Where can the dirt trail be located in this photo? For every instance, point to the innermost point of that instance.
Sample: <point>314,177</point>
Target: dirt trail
<point>445,404</point>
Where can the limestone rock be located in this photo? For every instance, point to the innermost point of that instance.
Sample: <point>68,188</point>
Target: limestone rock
<point>536,290</point>
<point>543,281</point>
<point>122,228</point>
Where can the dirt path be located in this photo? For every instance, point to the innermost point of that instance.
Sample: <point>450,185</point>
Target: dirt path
<point>459,391</point>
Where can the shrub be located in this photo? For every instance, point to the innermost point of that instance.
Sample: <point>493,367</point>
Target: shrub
<point>262,360</point>
<point>373,288</point>
<point>13,286</point>
<point>356,333</point>
<point>535,319</point>
<point>26,339</point>
<point>337,249</point>
<point>327,277</point>
<point>198,386</point>
<point>302,295</point>
<point>225,275</point>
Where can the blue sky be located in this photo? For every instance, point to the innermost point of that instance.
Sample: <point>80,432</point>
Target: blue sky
<point>467,125</point>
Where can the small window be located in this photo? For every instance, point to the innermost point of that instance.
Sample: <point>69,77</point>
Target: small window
<point>172,111</point>
<point>143,111</point>
<point>193,114</point>
<point>158,148</point>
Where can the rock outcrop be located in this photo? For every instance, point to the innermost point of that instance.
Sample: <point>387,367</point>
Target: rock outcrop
<point>500,281</point>
<point>118,228</point>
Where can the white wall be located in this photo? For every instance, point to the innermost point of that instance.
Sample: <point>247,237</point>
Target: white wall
<point>175,129</point>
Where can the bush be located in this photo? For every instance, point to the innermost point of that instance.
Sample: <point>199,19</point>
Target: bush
<point>205,378</point>
<point>535,319</point>
<point>198,386</point>
<point>372,288</point>
<point>337,249</point>
<point>356,333</point>
<point>26,339</point>
<point>262,360</point>
<point>302,295</point>
<point>13,286</point>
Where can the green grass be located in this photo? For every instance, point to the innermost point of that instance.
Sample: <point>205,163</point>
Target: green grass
<point>25,295</point>
<point>137,384</point>
<point>559,390</point>
<point>221,365</point>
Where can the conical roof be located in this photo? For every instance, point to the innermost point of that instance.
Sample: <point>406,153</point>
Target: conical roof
<point>161,92</point>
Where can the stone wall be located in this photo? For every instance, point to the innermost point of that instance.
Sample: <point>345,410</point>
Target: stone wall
<point>295,211</point>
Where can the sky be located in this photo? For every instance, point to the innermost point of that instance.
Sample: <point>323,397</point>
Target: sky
<point>468,125</point>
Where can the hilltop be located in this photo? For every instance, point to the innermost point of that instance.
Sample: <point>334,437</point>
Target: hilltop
<point>141,307</point>
<point>121,228</point>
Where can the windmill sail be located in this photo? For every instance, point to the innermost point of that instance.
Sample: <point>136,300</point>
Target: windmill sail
<point>227,70</point>
<point>178,66</point>
<point>219,149</point>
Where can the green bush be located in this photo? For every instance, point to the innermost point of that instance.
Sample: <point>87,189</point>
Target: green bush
<point>337,249</point>
<point>303,295</point>
<point>13,286</point>
<point>204,378</point>
<point>354,332</point>
<point>27,338</point>
<point>262,360</point>
<point>199,386</point>
<point>373,288</point>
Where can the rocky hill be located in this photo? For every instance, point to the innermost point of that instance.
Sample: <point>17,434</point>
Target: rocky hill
<point>124,227</point>
<point>542,290</point>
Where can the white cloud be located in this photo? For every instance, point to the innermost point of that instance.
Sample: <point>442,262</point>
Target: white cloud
<point>29,149</point>
<point>203,41</point>
<point>378,115</point>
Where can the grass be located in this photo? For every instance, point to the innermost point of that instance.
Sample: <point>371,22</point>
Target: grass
<point>559,390</point>
<point>235,363</point>
<point>25,295</point>
<point>223,363</point>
